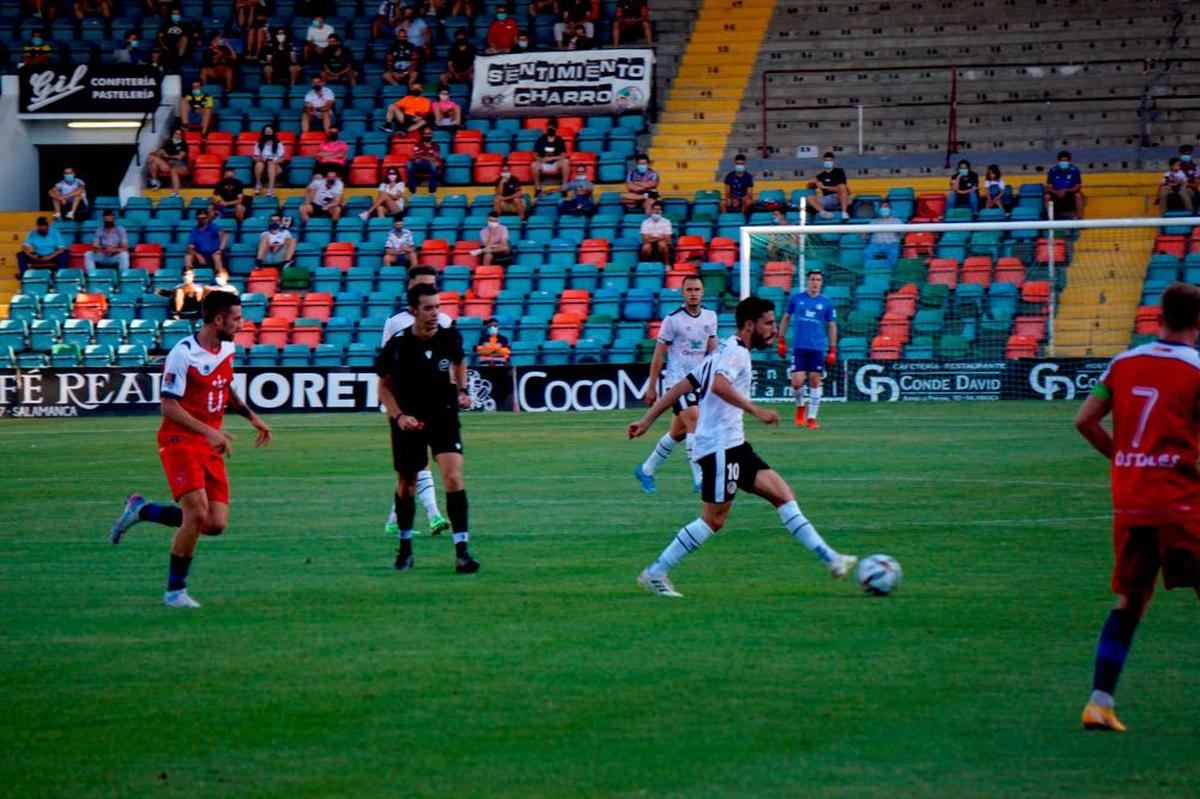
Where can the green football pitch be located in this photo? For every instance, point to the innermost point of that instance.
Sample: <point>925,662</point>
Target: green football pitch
<point>313,669</point>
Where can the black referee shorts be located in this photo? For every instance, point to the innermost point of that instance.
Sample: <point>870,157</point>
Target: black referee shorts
<point>723,473</point>
<point>410,449</point>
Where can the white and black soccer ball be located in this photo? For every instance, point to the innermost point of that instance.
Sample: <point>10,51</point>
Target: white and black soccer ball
<point>879,574</point>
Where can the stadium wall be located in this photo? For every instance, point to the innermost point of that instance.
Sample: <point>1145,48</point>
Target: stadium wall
<point>55,393</point>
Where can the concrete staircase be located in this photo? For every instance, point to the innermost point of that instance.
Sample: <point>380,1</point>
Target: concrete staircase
<point>13,229</point>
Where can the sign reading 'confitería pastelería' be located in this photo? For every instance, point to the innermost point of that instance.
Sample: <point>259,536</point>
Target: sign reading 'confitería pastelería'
<point>89,88</point>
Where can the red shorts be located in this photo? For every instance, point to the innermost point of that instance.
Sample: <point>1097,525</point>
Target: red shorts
<point>1142,550</point>
<point>191,466</point>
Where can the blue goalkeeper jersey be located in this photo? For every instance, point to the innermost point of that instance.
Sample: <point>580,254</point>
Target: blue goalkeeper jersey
<point>810,321</point>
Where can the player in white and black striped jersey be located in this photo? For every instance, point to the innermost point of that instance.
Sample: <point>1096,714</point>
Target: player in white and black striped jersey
<point>688,334</point>
<point>727,462</point>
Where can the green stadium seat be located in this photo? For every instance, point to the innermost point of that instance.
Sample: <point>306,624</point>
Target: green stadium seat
<point>953,347</point>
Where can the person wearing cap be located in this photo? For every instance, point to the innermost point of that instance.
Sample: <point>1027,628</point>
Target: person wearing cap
<point>110,246</point>
<point>493,348</point>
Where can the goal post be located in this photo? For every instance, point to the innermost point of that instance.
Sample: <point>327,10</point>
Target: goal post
<point>1037,288</point>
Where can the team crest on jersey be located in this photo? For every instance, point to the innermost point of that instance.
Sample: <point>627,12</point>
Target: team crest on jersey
<point>731,488</point>
<point>444,365</point>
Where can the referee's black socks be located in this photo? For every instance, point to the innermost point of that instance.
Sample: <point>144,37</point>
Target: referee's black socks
<point>406,512</point>
<point>456,509</point>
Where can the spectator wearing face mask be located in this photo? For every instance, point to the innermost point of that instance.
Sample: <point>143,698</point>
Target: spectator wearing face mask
<point>332,154</point>
<point>739,189</point>
<point>964,188</point>
<point>460,61</point>
<point>221,283</point>
<point>656,236</point>
<point>269,156</point>
<point>447,114</point>
<point>995,190</point>
<point>426,162</point>
<point>502,33</point>
<point>883,245</point>
<point>176,36</point>
<point>578,195</point>
<point>110,245</point>
<point>218,62</point>
<point>280,56</point>
<point>196,109</point>
<point>229,197</point>
<point>416,28</point>
<point>36,50</point>
<point>130,50</point>
<point>325,197</point>
<point>1174,186</point>
<point>69,193</point>
<point>258,31</point>
<point>43,248</point>
<point>186,297</point>
<point>1064,188</point>
<point>578,39</point>
<point>493,348</point>
<point>549,157</point>
<point>830,189</point>
<point>508,198</point>
<point>409,113</point>
<point>169,159</point>
<point>276,246</point>
<point>318,107</point>
<point>206,244</point>
<point>641,185</point>
<point>387,17</point>
<point>400,247</point>
<point>392,197</point>
<point>402,62</point>
<point>493,240</point>
<point>337,63</point>
<point>631,18</point>
<point>316,38</point>
<point>572,14</point>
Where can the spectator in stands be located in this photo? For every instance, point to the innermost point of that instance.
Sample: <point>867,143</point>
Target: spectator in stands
<point>402,62</point>
<point>508,198</point>
<point>578,40</point>
<point>1187,163</point>
<point>280,55</point>
<point>739,188</point>
<point>447,114</point>
<point>269,157</point>
<point>229,197</point>
<point>493,348</point>
<point>578,194</point>
<point>1175,186</point>
<point>43,248</point>
<point>571,15</point>
<point>502,33</point>
<point>632,16</point>
<point>460,61</point>
<point>218,62</point>
<point>257,35</point>
<point>206,244</point>
<point>540,7</point>
<point>176,36</point>
<point>337,63</point>
<point>276,246</point>
<point>110,245</point>
<point>392,197</point>
<point>69,193</point>
<point>196,108</point>
<point>387,17</point>
<point>399,245</point>
<point>830,189</point>
<point>549,157</point>
<point>36,50</point>
<point>964,188</point>
<point>409,113</point>
<point>426,160</point>
<point>995,190</point>
<point>129,52</point>
<point>101,7</point>
<point>171,159</point>
<point>1064,188</point>
<point>523,44</point>
<point>316,38</point>
<point>416,28</point>
<point>883,245</point>
<point>324,197</point>
<point>45,10</point>
<point>221,283</point>
<point>493,240</point>
<point>244,12</point>
<point>641,185</point>
<point>656,236</point>
<point>318,106</point>
<point>332,155</point>
<point>186,297</point>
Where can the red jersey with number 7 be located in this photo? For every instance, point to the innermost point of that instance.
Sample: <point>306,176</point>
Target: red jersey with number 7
<point>1155,395</point>
<point>201,380</point>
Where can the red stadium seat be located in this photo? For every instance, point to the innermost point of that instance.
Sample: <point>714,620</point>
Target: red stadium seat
<point>219,143</point>
<point>521,164</point>
<point>286,307</point>
<point>245,143</point>
<point>588,161</point>
<point>311,142</point>
<point>902,302</point>
<point>308,335</point>
<point>885,348</point>
<point>451,303</point>
<point>977,269</point>
<point>487,168</point>
<point>462,254</point>
<point>917,245</point>
<point>75,254</point>
<point>930,207</point>
<point>147,256</point>
<point>1171,245</point>
<point>1041,253</point>
<point>263,281</point>
<point>207,171</point>
<point>779,275</point>
<point>575,301</point>
<point>895,326</point>
<point>569,125</point>
<point>435,253</point>
<point>90,306</point>
<point>1033,327</point>
<point>1146,323</point>
<point>1020,347</point>
<point>723,250</point>
<point>565,327</point>
<point>397,162</point>
<point>317,305</point>
<point>467,142</point>
<point>247,334</point>
<point>943,271</point>
<point>339,255</point>
<point>480,307</point>
<point>653,328</point>
<point>364,171</point>
<point>402,149</point>
<point>689,248</point>
<point>1036,291</point>
<point>539,123</point>
<point>593,251</point>
<point>677,274</point>
<point>487,281</point>
<point>1009,270</point>
<point>274,330</point>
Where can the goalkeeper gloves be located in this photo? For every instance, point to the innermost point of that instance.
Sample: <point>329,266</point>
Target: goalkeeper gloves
<point>831,358</point>
<point>781,347</point>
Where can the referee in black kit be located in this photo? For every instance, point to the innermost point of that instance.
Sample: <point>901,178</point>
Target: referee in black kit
<point>422,384</point>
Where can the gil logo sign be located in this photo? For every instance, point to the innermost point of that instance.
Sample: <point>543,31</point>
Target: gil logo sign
<point>870,380</point>
<point>1045,381</point>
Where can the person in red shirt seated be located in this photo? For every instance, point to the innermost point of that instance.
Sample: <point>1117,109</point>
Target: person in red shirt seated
<point>502,33</point>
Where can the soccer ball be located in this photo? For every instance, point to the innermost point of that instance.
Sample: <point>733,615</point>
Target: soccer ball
<point>879,574</point>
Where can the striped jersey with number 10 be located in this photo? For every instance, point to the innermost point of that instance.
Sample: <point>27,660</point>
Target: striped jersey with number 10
<point>720,426</point>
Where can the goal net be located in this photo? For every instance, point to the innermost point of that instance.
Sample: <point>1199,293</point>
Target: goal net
<point>971,309</point>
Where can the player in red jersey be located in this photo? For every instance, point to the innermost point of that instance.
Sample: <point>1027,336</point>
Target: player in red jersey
<point>1153,393</point>
<point>196,390</point>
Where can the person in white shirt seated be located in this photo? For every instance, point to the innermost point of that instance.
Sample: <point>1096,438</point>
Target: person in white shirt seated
<point>656,236</point>
<point>318,107</point>
<point>325,197</point>
<point>392,197</point>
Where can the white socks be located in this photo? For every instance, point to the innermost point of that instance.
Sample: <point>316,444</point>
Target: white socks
<point>662,450</point>
<point>804,532</point>
<point>687,540</point>
<point>426,493</point>
<point>802,396</point>
<point>814,401</point>
<point>696,474</point>
<point>1102,699</point>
